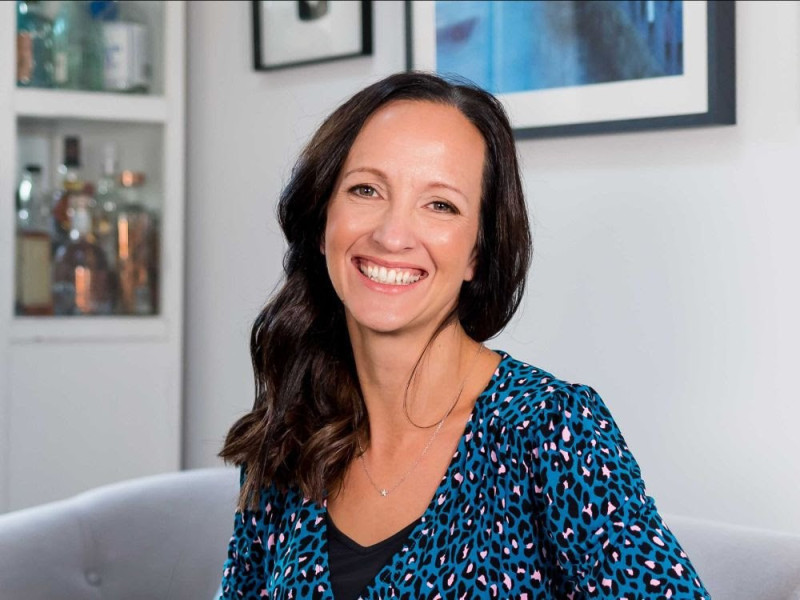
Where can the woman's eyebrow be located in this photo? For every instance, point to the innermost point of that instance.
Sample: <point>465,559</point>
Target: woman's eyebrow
<point>371,170</point>
<point>447,186</point>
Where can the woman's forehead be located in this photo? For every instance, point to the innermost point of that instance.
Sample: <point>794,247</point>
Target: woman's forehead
<point>420,135</point>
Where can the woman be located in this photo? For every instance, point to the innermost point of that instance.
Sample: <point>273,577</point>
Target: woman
<point>389,453</point>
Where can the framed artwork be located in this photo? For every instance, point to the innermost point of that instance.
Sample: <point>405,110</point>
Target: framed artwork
<point>288,33</point>
<point>586,66</point>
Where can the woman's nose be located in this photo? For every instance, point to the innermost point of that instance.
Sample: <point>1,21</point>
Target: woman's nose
<point>395,230</point>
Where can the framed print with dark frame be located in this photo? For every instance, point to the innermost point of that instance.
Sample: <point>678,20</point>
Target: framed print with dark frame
<point>573,67</point>
<point>289,33</point>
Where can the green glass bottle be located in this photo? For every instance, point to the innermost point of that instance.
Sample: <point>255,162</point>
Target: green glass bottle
<point>34,45</point>
<point>77,48</point>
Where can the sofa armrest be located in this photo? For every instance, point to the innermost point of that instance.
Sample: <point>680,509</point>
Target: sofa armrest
<point>156,537</point>
<point>740,563</point>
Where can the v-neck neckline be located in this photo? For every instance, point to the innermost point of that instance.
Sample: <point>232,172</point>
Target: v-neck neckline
<point>334,531</point>
<point>439,496</point>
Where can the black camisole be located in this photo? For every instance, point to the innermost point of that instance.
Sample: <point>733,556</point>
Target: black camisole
<point>353,566</point>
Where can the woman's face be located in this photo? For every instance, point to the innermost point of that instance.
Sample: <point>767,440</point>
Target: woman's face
<point>403,219</point>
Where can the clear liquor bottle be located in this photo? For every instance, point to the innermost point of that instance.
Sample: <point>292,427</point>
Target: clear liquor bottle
<point>77,48</point>
<point>34,45</point>
<point>106,212</point>
<point>34,247</point>
<point>136,235</point>
<point>82,283</point>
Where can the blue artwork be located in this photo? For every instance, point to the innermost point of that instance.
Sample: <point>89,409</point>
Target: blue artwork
<point>513,46</point>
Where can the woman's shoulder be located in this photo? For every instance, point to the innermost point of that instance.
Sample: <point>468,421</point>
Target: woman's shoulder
<point>523,395</point>
<point>567,426</point>
<point>272,500</point>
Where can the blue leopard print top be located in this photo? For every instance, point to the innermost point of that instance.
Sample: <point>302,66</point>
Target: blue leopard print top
<point>542,500</point>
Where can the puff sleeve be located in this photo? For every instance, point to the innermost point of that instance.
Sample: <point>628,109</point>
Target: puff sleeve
<point>604,532</point>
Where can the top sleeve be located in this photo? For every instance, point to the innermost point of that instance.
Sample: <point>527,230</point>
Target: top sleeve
<point>606,534</point>
<point>241,575</point>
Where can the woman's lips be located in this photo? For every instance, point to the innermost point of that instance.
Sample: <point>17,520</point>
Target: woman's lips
<point>389,274</point>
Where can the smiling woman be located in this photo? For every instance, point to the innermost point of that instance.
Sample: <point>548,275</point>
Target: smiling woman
<point>407,207</point>
<point>388,452</point>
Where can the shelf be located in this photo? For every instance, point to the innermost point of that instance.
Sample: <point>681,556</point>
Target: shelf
<point>32,330</point>
<point>124,371</point>
<point>90,106</point>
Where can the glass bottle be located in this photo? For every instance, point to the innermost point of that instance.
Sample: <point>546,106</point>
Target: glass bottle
<point>106,196</point>
<point>68,45</point>
<point>33,266</point>
<point>81,278</point>
<point>135,258</point>
<point>34,45</point>
<point>94,52</point>
<point>103,13</point>
<point>71,184</point>
<point>127,53</point>
<point>77,48</point>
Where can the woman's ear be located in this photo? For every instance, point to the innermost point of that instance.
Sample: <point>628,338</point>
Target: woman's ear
<point>473,259</point>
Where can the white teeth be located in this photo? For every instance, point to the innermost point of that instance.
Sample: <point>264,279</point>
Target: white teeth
<point>388,276</point>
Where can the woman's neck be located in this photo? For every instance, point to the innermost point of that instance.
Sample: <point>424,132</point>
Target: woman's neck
<point>386,370</point>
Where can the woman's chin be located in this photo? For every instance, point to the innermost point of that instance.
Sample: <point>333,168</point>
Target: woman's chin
<point>381,325</point>
<point>381,322</point>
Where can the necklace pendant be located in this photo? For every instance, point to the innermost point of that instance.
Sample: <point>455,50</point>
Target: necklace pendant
<point>384,493</point>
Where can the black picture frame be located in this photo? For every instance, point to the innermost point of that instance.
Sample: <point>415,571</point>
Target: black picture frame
<point>720,83</point>
<point>306,11</point>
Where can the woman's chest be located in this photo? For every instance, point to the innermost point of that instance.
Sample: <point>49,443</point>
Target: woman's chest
<point>476,540</point>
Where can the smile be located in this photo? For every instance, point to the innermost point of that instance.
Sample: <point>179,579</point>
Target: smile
<point>389,276</point>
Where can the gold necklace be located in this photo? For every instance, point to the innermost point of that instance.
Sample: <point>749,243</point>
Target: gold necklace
<point>384,491</point>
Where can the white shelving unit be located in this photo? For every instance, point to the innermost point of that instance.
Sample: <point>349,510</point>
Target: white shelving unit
<point>86,401</point>
<point>90,106</point>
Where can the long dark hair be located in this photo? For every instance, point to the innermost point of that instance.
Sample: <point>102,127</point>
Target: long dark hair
<point>308,410</point>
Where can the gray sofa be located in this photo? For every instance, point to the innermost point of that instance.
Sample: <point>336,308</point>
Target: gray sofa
<point>156,538</point>
<point>165,537</point>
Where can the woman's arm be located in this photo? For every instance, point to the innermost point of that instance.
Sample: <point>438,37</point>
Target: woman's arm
<point>607,536</point>
<point>636,556</point>
<point>242,575</point>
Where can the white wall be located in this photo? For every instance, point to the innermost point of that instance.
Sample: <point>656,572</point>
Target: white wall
<point>665,274</point>
<point>245,129</point>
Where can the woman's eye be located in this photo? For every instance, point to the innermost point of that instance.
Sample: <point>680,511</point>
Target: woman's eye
<point>365,191</point>
<point>443,207</point>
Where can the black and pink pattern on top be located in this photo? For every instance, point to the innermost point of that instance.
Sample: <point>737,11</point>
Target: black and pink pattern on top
<point>542,500</point>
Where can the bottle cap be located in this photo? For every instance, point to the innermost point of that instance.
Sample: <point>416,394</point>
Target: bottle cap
<point>131,178</point>
<point>103,10</point>
<point>72,151</point>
